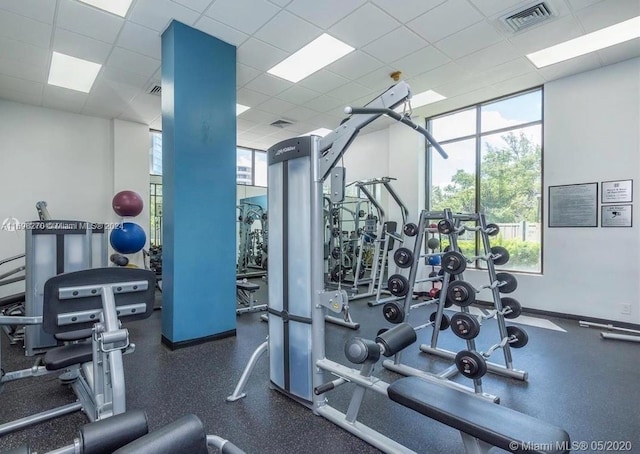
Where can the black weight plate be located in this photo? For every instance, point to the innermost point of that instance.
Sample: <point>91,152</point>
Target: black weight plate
<point>382,331</point>
<point>410,229</point>
<point>461,293</point>
<point>471,364</point>
<point>445,226</point>
<point>509,282</point>
<point>393,312</point>
<point>492,229</point>
<point>520,337</point>
<point>500,255</point>
<point>465,326</point>
<point>336,252</point>
<point>454,262</point>
<point>444,322</point>
<point>403,257</point>
<point>335,232</point>
<point>516,307</point>
<point>398,285</point>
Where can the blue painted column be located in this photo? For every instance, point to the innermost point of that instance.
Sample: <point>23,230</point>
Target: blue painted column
<point>199,186</point>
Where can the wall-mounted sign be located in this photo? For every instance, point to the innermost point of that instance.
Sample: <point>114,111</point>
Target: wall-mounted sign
<point>573,205</point>
<point>617,215</point>
<point>617,191</point>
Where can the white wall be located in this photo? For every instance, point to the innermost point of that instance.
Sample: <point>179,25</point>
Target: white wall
<point>68,160</point>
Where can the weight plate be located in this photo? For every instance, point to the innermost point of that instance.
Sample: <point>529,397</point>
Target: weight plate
<point>492,229</point>
<point>393,312</point>
<point>508,282</point>
<point>361,214</point>
<point>444,322</point>
<point>454,262</point>
<point>335,232</point>
<point>410,229</point>
<point>516,307</point>
<point>500,255</point>
<point>335,253</point>
<point>403,257</point>
<point>338,273</point>
<point>445,226</point>
<point>461,293</point>
<point>465,326</point>
<point>471,364</point>
<point>382,331</point>
<point>398,285</point>
<point>518,337</point>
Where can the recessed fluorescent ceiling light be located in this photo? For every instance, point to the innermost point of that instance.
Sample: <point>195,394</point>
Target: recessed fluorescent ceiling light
<point>73,73</point>
<point>319,132</point>
<point>609,36</point>
<point>314,56</point>
<point>119,7</point>
<point>426,97</point>
<point>240,108</point>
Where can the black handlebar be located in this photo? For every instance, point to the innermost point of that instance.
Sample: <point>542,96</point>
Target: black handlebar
<point>402,119</point>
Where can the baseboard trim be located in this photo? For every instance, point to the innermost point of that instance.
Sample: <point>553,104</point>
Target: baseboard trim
<point>201,340</point>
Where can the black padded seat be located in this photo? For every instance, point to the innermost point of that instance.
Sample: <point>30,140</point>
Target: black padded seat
<point>496,425</point>
<point>248,286</point>
<point>12,299</point>
<point>67,355</point>
<point>73,336</point>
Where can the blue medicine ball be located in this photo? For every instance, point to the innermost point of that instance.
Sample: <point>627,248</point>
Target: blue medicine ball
<point>128,238</point>
<point>433,260</point>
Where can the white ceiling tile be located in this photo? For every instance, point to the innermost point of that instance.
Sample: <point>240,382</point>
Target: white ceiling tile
<point>301,127</point>
<point>484,59</point>
<point>461,86</point>
<point>579,4</point>
<point>363,26</point>
<point>221,31</point>
<point>502,72</point>
<point>620,52</point>
<point>263,130</point>
<point>23,52</point>
<point>298,95</point>
<point>574,66</point>
<point>260,55</point>
<point>243,124</point>
<point>156,14</point>
<point>492,7</point>
<point>156,124</point>
<point>249,136</point>
<point>464,100</point>
<point>88,21</point>
<point>604,14</point>
<point>63,99</point>
<point>140,39</point>
<point>379,79</point>
<point>469,40</point>
<point>298,33</point>
<point>109,91</point>
<point>21,97</point>
<point>281,3</point>
<point>104,107</point>
<point>16,84</point>
<point>301,113</point>
<point>324,103</point>
<point>250,98</point>
<point>445,19</point>
<point>258,116</point>
<point>323,13</point>
<point>395,45</point>
<point>322,81</point>
<point>245,74</point>
<point>34,9</point>
<point>21,70</point>
<point>80,46</point>
<point>548,34</point>
<point>196,5</point>
<point>122,76</point>
<point>420,62</point>
<point>269,85</point>
<point>354,65</point>
<point>245,15</point>
<point>23,29</point>
<point>132,115</point>
<point>529,80</point>
<point>407,10</point>
<point>350,91</point>
<point>147,107</point>
<point>130,61</point>
<point>439,76</point>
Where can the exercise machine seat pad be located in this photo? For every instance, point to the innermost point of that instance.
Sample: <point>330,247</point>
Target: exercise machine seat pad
<point>107,435</point>
<point>247,286</point>
<point>73,336</point>
<point>12,299</point>
<point>185,435</point>
<point>67,355</point>
<point>496,425</point>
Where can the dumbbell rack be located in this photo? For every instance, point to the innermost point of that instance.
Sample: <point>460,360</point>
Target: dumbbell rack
<point>506,370</point>
<point>396,365</point>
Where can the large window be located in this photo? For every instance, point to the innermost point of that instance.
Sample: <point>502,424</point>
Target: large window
<point>155,153</point>
<point>251,167</point>
<point>494,167</point>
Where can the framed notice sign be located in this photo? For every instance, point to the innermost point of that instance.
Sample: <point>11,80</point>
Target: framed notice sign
<point>617,191</point>
<point>616,215</point>
<point>573,205</point>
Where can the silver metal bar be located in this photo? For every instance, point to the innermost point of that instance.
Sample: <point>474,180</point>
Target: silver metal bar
<point>93,315</point>
<point>607,327</point>
<point>71,449</point>
<point>11,259</point>
<point>622,337</point>
<point>84,291</point>
<point>38,418</point>
<point>342,322</point>
<point>35,371</point>
<point>353,375</point>
<point>20,320</point>
<point>239,393</point>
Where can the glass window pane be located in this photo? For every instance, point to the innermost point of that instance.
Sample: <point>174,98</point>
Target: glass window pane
<point>155,154</point>
<point>511,193</point>
<point>512,111</point>
<point>243,166</point>
<point>459,124</point>
<point>260,168</point>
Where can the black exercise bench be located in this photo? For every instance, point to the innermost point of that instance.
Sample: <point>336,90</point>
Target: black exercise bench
<point>245,299</point>
<point>481,423</point>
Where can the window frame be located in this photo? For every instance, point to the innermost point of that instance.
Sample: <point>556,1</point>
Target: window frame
<point>253,165</point>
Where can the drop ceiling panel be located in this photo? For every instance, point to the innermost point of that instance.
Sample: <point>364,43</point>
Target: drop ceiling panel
<point>122,76</point>
<point>23,52</point>
<point>33,9</point>
<point>397,44</point>
<point>243,124</point>
<point>156,124</point>
<point>259,116</point>
<point>288,32</point>
<point>324,103</point>
<point>298,95</point>
<point>140,39</point>
<point>350,91</point>
<point>421,61</point>
<point>620,52</point>
<point>579,4</point>
<point>323,81</point>
<point>23,29</point>
<point>269,85</point>
<point>407,10</point>
<point>245,74</point>
<point>519,83</point>
<point>439,76</point>
<point>469,40</point>
<point>130,61</point>
<point>245,15</point>
<point>379,79</point>
<point>484,59</point>
<point>112,92</point>
<point>35,73</point>
<point>21,97</point>
<point>17,84</point>
<point>79,46</point>
<point>323,13</point>
<point>505,71</point>
<point>250,98</point>
<point>148,107</point>
<point>301,113</point>
<point>157,14</point>
<point>492,7</point>
<point>196,5</point>
<point>259,54</point>
<point>265,130</point>
<point>85,20</point>
<point>547,34</point>
<point>63,99</point>
<point>354,65</point>
<point>276,106</point>
<point>602,14</point>
<point>575,65</point>
<point>363,26</point>
<point>281,3</point>
<point>221,31</point>
<point>445,19</point>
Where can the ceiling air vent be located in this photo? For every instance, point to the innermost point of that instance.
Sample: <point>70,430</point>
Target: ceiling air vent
<point>527,17</point>
<point>154,89</point>
<point>281,123</point>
